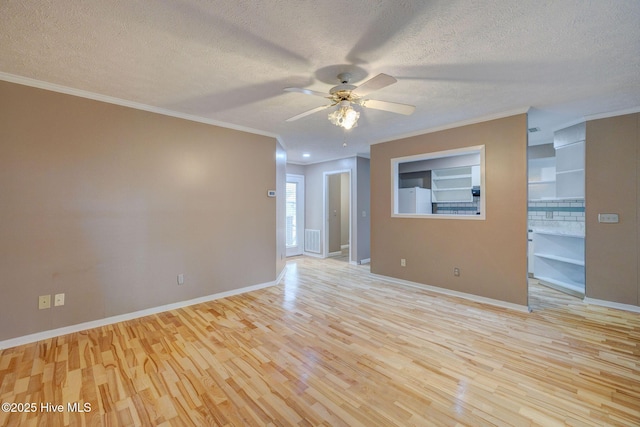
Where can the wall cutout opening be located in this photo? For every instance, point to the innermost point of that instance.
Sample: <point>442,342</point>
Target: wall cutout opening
<point>445,184</point>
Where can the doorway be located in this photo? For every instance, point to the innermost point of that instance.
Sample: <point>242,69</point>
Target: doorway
<point>337,215</point>
<point>294,223</point>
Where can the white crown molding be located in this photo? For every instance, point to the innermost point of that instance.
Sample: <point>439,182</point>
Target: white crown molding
<point>39,336</point>
<point>453,125</point>
<point>463,295</point>
<point>26,81</point>
<point>613,114</point>
<point>312,254</point>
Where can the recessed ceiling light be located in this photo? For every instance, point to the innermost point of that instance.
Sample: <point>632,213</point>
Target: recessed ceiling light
<point>306,155</point>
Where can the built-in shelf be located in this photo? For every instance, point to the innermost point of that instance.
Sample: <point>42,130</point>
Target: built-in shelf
<point>550,181</point>
<point>574,288</point>
<point>569,145</point>
<point>453,184</point>
<point>542,178</point>
<point>559,259</point>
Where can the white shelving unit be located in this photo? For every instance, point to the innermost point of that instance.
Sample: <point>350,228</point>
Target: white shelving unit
<point>569,145</point>
<point>452,184</point>
<point>559,260</point>
<point>542,178</point>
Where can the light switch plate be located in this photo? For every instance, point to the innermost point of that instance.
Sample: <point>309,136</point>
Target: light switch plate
<point>58,300</point>
<point>608,218</point>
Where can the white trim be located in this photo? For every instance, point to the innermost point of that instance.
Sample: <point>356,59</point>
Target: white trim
<point>395,181</point>
<point>280,276</point>
<point>613,114</point>
<point>344,246</point>
<point>52,333</point>
<point>311,254</point>
<point>131,104</point>
<point>454,125</point>
<point>336,253</point>
<point>464,295</point>
<point>365,261</point>
<point>611,304</point>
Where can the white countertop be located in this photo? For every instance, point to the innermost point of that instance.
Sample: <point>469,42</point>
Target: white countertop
<point>558,228</point>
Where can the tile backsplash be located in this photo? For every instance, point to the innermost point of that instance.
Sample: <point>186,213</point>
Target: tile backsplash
<point>554,211</point>
<point>460,208</point>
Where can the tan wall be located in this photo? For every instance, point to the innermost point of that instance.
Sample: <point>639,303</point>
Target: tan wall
<point>335,213</point>
<point>491,254</point>
<point>108,204</point>
<point>612,172</point>
<point>314,177</point>
<point>281,188</point>
<point>345,196</point>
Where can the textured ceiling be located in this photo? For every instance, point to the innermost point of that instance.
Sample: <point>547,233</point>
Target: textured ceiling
<point>228,62</point>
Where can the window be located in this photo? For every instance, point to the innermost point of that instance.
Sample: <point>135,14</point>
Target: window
<point>445,184</point>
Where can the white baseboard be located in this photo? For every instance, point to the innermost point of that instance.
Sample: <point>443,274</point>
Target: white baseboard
<point>44,335</point>
<point>366,261</point>
<point>611,304</point>
<point>344,246</point>
<point>337,253</point>
<point>312,254</point>
<point>464,295</point>
<point>281,275</point>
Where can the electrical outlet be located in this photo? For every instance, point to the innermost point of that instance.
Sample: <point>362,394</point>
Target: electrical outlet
<point>403,262</point>
<point>180,279</point>
<point>58,300</point>
<point>456,271</point>
<point>608,218</point>
<point>44,301</point>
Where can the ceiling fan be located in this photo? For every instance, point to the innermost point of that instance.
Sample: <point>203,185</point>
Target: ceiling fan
<point>346,94</point>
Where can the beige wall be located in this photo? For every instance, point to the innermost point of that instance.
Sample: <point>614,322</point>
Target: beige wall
<point>612,173</point>
<point>281,184</point>
<point>359,192</point>
<point>362,211</point>
<point>491,254</point>
<point>345,197</point>
<point>108,204</point>
<point>314,176</point>
<point>335,213</point>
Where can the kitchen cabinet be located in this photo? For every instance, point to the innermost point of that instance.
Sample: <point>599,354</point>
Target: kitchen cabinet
<point>559,260</point>
<point>453,184</point>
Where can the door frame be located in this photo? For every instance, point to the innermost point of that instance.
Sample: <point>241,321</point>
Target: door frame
<point>299,249</point>
<point>326,214</point>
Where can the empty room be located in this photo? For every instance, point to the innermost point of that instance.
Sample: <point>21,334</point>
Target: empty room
<point>304,213</point>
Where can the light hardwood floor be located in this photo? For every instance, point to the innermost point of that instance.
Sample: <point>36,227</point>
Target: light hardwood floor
<point>334,346</point>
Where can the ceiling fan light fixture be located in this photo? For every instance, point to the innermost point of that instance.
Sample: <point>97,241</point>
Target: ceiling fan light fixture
<point>345,117</point>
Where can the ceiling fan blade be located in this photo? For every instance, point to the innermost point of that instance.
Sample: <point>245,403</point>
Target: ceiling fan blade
<point>373,84</point>
<point>307,92</point>
<point>389,106</point>
<point>308,113</point>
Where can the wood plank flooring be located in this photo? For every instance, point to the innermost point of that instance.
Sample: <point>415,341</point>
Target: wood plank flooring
<point>334,346</point>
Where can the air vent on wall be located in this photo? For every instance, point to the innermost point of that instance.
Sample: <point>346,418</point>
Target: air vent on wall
<point>536,129</point>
